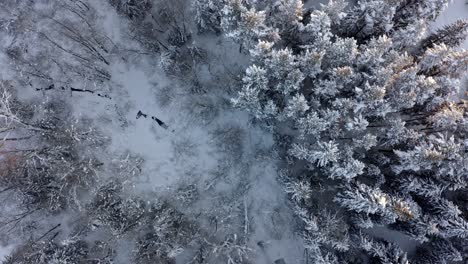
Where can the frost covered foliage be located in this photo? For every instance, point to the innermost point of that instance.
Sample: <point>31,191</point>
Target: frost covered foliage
<point>133,9</point>
<point>53,173</point>
<point>208,14</point>
<point>54,44</point>
<point>49,252</point>
<point>376,114</point>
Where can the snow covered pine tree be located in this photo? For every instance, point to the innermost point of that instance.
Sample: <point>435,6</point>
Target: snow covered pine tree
<point>377,115</point>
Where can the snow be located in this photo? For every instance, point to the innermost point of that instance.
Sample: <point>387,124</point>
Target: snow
<point>190,150</point>
<point>137,85</point>
<point>5,251</point>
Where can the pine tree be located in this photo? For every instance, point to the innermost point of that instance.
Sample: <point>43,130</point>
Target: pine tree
<point>451,35</point>
<point>244,24</point>
<point>368,19</point>
<point>438,252</point>
<point>382,252</point>
<point>409,11</point>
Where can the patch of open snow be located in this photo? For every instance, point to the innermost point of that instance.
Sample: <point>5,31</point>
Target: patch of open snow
<point>5,251</point>
<point>134,90</point>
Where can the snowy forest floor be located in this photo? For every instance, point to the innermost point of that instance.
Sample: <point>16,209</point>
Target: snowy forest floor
<point>219,157</point>
<point>195,149</point>
<point>211,154</point>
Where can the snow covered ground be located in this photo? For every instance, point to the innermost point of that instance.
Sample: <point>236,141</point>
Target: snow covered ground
<point>5,251</point>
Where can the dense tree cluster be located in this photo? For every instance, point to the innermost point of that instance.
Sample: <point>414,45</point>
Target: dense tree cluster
<point>378,115</point>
